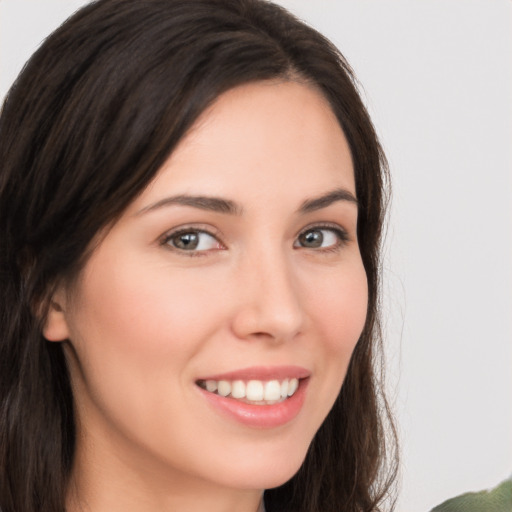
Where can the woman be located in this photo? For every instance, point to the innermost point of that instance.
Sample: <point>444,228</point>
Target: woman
<point>191,201</point>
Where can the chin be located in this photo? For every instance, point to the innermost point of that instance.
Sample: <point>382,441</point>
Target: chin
<point>265,471</point>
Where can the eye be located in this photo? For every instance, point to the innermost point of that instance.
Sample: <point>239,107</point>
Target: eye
<point>322,237</point>
<point>192,240</point>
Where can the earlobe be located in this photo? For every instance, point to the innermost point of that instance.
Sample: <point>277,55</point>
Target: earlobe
<point>56,327</point>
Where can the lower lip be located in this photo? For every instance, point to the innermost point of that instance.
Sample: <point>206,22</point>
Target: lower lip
<point>260,416</point>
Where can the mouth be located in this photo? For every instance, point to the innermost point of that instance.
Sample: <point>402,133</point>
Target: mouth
<point>254,392</point>
<point>261,397</point>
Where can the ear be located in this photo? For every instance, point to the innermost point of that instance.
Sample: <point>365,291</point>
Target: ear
<point>56,327</point>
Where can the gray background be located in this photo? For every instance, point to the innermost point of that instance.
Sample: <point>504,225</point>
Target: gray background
<point>437,77</point>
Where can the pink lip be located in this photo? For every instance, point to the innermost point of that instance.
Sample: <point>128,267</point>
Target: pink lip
<point>260,416</point>
<point>262,373</point>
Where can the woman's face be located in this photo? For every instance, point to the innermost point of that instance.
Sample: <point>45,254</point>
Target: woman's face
<point>236,272</point>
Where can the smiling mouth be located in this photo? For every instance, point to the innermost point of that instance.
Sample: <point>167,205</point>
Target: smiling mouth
<point>254,392</point>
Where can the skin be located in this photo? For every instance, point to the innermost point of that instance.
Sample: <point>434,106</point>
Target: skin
<point>145,319</point>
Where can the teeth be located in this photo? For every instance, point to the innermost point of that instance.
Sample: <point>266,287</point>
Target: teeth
<point>238,389</point>
<point>284,388</point>
<point>253,390</point>
<point>292,386</point>
<point>272,390</point>
<point>211,386</point>
<point>224,388</point>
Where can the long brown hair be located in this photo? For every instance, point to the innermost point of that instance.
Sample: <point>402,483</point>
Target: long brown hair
<point>95,113</point>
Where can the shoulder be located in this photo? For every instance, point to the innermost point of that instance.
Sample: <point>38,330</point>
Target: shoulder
<point>498,499</point>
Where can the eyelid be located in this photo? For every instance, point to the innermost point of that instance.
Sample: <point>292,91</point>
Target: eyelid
<point>191,228</point>
<point>324,225</point>
<point>340,231</point>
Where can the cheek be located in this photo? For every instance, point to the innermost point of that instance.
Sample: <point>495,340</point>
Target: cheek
<point>339,309</point>
<point>135,335</point>
<point>132,327</point>
<point>144,308</point>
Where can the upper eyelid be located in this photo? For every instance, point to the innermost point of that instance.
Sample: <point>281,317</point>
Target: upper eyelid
<point>165,239</point>
<point>325,225</point>
<point>216,233</point>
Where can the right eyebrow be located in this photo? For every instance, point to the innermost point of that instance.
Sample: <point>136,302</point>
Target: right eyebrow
<point>215,204</point>
<point>325,200</point>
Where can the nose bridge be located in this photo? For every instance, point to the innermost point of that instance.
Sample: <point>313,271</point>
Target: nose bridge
<point>270,303</point>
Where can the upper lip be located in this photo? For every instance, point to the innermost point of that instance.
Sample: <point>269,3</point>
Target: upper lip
<point>262,373</point>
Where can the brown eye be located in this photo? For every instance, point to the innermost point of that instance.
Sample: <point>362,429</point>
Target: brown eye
<point>186,241</point>
<point>321,238</point>
<point>312,239</point>
<point>193,241</point>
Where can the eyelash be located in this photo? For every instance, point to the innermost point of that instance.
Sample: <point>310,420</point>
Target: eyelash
<point>185,231</point>
<point>341,235</point>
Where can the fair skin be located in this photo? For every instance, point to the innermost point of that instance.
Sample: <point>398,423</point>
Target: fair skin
<point>181,290</point>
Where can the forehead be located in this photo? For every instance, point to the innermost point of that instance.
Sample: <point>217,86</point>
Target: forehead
<point>265,138</point>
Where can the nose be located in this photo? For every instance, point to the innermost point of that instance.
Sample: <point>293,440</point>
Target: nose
<point>270,305</point>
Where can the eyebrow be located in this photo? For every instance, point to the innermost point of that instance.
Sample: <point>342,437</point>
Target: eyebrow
<point>214,204</point>
<point>220,205</point>
<point>325,200</point>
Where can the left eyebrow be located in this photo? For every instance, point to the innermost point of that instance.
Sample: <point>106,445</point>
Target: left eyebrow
<point>325,200</point>
<point>215,204</point>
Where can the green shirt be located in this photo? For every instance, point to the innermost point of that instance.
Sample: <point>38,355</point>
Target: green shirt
<point>498,499</point>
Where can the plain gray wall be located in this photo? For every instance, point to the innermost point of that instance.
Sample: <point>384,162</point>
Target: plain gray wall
<point>437,77</point>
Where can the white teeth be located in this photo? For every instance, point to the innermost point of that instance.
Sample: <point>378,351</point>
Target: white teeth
<point>284,388</point>
<point>272,390</point>
<point>224,388</point>
<point>254,390</point>
<point>211,386</point>
<point>238,389</point>
<point>292,386</point>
